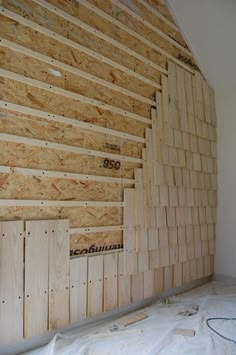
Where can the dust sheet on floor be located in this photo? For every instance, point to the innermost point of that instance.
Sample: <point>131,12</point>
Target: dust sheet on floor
<point>163,331</point>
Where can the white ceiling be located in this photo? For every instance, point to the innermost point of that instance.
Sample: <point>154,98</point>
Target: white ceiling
<point>209,27</point>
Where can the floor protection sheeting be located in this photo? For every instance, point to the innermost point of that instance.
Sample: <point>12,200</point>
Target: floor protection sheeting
<point>156,334</point>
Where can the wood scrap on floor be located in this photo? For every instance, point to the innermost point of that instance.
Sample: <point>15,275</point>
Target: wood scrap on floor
<point>128,320</point>
<point>185,332</point>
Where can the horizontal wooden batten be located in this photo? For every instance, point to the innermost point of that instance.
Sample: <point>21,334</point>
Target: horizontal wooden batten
<point>77,46</point>
<point>48,60</point>
<point>151,27</point>
<point>133,33</point>
<point>99,34</point>
<point>130,31</point>
<point>63,175</point>
<point>158,14</point>
<point>58,203</point>
<point>96,229</point>
<point>65,120</point>
<point>72,95</point>
<point>154,29</point>
<point>64,147</point>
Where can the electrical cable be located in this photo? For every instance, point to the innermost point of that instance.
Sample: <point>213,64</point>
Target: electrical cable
<point>215,331</point>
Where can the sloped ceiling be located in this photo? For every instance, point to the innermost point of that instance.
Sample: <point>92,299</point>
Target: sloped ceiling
<point>209,27</point>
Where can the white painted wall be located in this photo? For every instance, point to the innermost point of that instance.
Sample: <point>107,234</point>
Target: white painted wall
<point>209,26</point>
<point>225,262</point>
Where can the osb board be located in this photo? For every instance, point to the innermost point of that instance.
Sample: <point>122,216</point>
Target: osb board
<point>34,127</point>
<point>78,216</point>
<point>160,5</point>
<point>11,281</point>
<point>12,31</point>
<point>113,31</point>
<point>141,29</point>
<point>71,31</point>
<point>27,95</point>
<point>95,242</point>
<point>13,186</point>
<point>27,156</point>
<point>148,15</point>
<point>35,69</point>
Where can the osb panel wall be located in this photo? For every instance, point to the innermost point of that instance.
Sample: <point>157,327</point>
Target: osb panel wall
<point>106,121</point>
<point>81,74</point>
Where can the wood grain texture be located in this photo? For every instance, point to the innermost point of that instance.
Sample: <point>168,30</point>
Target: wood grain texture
<point>11,281</point>
<point>110,281</point>
<point>95,285</point>
<point>78,288</point>
<point>36,277</point>
<point>124,283</point>
<point>59,273</point>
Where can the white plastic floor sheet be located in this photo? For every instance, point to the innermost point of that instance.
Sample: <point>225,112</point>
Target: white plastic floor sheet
<point>155,335</point>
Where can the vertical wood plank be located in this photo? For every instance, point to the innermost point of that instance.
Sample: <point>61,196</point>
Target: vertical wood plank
<point>173,104</point>
<point>178,275</point>
<point>165,108</point>
<point>168,277</point>
<point>110,281</point>
<point>95,285</point>
<point>130,232</point>
<point>137,287</point>
<point>11,281</point>
<point>148,283</point>
<point>129,220</point>
<point>78,288</point>
<point>124,284</point>
<point>143,261</point>
<point>59,271</point>
<point>158,280</point>
<point>36,278</point>
<point>140,213</point>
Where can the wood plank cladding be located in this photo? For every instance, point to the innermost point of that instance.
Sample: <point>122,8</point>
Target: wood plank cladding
<point>107,123</point>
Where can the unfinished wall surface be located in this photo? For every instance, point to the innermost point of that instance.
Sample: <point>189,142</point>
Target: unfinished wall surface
<point>107,122</point>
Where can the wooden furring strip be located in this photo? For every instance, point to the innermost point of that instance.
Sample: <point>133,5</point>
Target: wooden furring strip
<point>133,33</point>
<point>158,14</point>
<point>96,229</point>
<point>72,95</point>
<point>11,281</point>
<point>72,44</point>
<point>66,120</point>
<point>152,28</point>
<point>123,27</point>
<point>58,203</point>
<point>98,34</point>
<point>63,175</point>
<point>64,147</point>
<point>51,61</point>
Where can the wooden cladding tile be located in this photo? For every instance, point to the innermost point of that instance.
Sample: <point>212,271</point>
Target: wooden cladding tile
<point>95,285</point>
<point>78,288</point>
<point>11,281</point>
<point>86,76</point>
<point>47,261</point>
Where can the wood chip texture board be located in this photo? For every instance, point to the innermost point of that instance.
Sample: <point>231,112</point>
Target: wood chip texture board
<point>106,122</point>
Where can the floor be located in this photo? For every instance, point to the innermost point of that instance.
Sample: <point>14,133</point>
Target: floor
<point>156,333</point>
